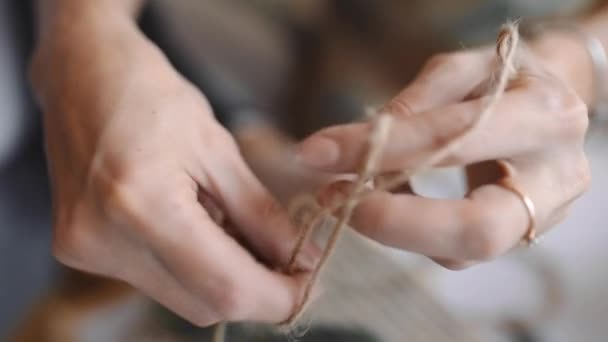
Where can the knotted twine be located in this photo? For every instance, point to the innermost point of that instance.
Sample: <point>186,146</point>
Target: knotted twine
<point>507,44</point>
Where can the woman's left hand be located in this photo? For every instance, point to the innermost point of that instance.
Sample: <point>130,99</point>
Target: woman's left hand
<point>538,126</point>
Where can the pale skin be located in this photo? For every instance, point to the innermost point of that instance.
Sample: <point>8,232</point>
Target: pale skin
<point>538,128</point>
<point>134,150</point>
<point>131,145</point>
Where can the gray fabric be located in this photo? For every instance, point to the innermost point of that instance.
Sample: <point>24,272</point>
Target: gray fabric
<point>26,265</point>
<point>25,262</point>
<point>15,120</point>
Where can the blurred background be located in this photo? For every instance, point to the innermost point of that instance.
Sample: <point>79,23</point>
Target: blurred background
<point>302,65</point>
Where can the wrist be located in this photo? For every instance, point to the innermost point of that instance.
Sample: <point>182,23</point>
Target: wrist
<point>83,46</point>
<point>50,11</point>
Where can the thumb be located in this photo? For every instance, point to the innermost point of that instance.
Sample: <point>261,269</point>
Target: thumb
<point>259,219</point>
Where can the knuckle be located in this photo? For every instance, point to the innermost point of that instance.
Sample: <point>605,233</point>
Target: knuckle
<point>228,303</point>
<point>119,198</point>
<point>570,113</point>
<point>481,238</point>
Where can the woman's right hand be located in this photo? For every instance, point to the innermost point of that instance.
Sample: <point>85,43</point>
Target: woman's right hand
<point>140,169</point>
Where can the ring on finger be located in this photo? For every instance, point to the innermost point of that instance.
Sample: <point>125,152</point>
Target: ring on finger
<point>529,237</point>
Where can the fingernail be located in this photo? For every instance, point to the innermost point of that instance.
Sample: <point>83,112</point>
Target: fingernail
<point>308,258</point>
<point>334,194</point>
<point>318,152</point>
<point>306,262</point>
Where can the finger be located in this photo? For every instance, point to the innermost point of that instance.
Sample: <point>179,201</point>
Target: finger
<point>153,279</point>
<point>490,221</point>
<point>340,148</point>
<point>465,229</point>
<point>445,79</point>
<point>215,268</point>
<point>260,219</point>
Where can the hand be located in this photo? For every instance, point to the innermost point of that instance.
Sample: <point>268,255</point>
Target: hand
<point>538,127</point>
<point>139,169</point>
<point>268,152</point>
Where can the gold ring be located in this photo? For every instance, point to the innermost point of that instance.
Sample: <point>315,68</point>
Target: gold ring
<point>530,237</point>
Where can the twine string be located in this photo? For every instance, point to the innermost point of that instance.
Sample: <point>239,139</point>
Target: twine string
<point>507,44</point>
<point>506,47</point>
